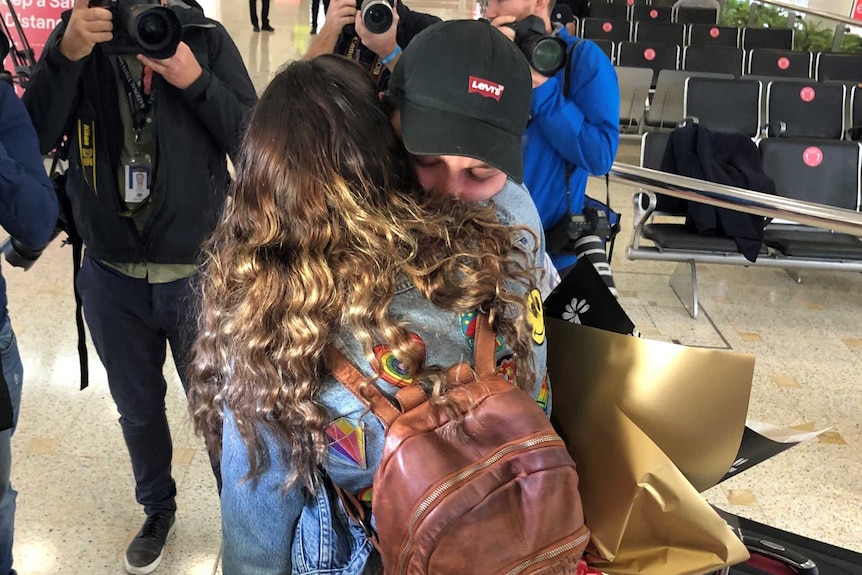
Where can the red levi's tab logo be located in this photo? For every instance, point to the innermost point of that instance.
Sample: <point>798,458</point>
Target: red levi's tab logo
<point>485,88</point>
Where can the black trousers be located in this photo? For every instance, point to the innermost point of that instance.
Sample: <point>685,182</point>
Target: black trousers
<point>264,12</point>
<point>315,8</point>
<point>131,322</point>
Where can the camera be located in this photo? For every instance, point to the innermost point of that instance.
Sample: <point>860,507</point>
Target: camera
<point>545,53</point>
<point>591,222</point>
<point>376,15</point>
<point>142,27</point>
<point>23,256</point>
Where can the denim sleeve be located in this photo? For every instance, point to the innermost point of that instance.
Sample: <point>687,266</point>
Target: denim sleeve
<point>258,518</point>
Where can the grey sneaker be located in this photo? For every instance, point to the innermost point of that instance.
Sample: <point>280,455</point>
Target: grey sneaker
<point>144,553</point>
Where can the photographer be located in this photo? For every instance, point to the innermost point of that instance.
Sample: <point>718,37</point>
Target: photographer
<point>574,133</point>
<point>28,211</point>
<point>345,33</point>
<point>173,118</point>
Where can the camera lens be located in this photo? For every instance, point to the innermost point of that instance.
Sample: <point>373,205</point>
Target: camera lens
<point>548,56</point>
<point>152,28</point>
<point>155,29</point>
<point>377,16</point>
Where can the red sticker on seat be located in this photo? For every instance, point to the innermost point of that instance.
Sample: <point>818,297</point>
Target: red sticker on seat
<point>812,156</point>
<point>807,94</point>
<point>607,26</point>
<point>714,32</point>
<point>653,14</point>
<point>649,54</point>
<point>784,63</point>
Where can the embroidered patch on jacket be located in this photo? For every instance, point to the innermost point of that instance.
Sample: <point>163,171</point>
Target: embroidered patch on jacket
<point>506,368</point>
<point>536,316</point>
<point>544,392</point>
<point>468,329</point>
<point>366,494</point>
<point>391,369</point>
<point>347,445</point>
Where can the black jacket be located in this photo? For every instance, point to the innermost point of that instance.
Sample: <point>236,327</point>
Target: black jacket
<point>196,129</point>
<point>724,158</point>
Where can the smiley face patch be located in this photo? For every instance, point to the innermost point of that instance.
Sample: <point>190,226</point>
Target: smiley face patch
<point>536,316</point>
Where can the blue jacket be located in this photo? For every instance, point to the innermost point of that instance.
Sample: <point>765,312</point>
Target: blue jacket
<point>268,532</point>
<point>582,129</point>
<point>28,204</point>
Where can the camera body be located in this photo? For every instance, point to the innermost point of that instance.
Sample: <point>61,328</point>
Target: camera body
<point>591,222</point>
<point>545,53</point>
<point>142,27</point>
<point>23,256</point>
<point>376,15</point>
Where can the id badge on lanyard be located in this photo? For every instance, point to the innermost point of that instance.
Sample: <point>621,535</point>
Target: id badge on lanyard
<point>138,180</point>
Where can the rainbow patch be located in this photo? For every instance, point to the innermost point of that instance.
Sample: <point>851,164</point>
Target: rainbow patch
<point>347,444</point>
<point>392,370</point>
<point>366,494</point>
<point>544,392</point>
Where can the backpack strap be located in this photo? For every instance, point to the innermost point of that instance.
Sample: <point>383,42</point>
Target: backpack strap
<point>347,374</point>
<point>358,512</point>
<point>567,85</point>
<point>486,345</point>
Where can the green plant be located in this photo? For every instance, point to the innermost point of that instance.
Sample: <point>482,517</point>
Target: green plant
<point>736,13</point>
<point>811,36</point>
<point>851,43</point>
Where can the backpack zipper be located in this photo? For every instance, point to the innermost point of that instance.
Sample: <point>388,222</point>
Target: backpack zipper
<point>437,493</point>
<point>551,554</point>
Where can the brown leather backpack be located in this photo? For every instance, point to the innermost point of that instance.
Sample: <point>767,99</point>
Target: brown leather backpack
<point>497,496</point>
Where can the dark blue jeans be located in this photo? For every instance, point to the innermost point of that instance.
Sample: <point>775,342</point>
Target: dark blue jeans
<point>131,321</point>
<point>13,373</point>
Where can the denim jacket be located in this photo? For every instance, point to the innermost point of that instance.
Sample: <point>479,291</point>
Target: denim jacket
<point>267,531</point>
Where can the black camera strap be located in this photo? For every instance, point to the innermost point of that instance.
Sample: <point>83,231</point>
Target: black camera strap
<point>58,179</point>
<point>139,104</point>
<point>567,84</point>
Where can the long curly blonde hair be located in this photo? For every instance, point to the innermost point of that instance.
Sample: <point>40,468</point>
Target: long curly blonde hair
<point>325,217</point>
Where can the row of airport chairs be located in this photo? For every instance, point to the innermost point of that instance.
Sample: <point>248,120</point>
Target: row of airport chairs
<point>685,34</point>
<point>621,11</point>
<point>782,108</point>
<point>825,172</point>
<point>819,66</point>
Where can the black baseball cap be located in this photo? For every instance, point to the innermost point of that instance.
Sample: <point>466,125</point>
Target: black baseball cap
<point>464,89</point>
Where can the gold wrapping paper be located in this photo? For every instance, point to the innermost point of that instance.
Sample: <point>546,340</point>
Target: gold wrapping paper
<point>649,424</point>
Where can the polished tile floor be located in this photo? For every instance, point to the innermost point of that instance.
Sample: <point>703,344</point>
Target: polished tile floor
<point>76,509</point>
